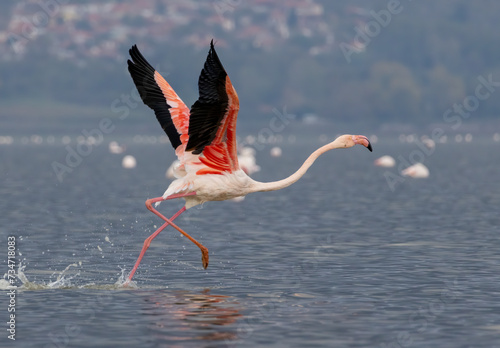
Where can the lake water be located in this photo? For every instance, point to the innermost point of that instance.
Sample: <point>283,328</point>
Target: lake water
<point>340,259</point>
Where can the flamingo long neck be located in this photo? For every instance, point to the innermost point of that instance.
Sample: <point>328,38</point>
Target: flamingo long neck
<point>280,184</point>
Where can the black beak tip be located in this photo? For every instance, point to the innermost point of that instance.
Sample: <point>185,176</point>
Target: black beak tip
<point>369,147</point>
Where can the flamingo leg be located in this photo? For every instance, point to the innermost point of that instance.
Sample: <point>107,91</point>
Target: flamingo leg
<point>148,240</point>
<point>204,250</point>
<point>147,243</point>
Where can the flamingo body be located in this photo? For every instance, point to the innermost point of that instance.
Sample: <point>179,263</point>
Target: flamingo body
<point>204,140</point>
<point>211,187</point>
<point>173,171</point>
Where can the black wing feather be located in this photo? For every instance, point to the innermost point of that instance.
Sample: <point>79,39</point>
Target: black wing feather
<point>208,111</point>
<point>143,75</point>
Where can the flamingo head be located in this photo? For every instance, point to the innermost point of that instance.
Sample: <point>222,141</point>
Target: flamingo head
<point>348,140</point>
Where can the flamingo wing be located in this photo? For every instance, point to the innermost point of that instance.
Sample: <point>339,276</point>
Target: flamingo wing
<point>155,92</point>
<point>212,124</point>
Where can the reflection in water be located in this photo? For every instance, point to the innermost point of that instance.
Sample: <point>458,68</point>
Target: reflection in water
<point>183,316</point>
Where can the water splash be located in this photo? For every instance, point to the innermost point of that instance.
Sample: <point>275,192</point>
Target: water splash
<point>122,281</point>
<point>63,281</point>
<point>5,285</point>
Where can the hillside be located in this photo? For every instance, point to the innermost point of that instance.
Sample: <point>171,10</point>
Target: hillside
<point>370,62</point>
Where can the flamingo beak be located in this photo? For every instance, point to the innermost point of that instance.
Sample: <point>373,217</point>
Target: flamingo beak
<point>369,147</point>
<point>362,140</point>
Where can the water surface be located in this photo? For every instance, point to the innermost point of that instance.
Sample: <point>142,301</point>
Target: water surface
<point>339,259</point>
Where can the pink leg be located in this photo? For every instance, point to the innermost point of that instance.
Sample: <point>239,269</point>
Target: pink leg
<point>147,243</point>
<point>204,250</point>
<point>148,240</point>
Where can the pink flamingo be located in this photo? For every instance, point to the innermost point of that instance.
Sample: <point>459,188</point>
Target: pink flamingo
<point>204,140</point>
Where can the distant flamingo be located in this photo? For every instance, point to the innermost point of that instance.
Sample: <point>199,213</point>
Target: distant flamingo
<point>129,162</point>
<point>204,140</point>
<point>247,161</point>
<point>417,171</point>
<point>429,143</point>
<point>115,148</point>
<point>385,161</point>
<point>276,151</point>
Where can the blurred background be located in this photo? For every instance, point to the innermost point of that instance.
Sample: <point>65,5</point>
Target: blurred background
<point>381,65</point>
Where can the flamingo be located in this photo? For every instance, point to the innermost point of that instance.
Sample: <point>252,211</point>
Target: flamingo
<point>115,148</point>
<point>247,161</point>
<point>275,151</point>
<point>129,162</point>
<point>418,171</point>
<point>204,140</point>
<point>385,161</point>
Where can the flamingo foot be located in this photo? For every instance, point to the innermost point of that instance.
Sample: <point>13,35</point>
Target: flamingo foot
<point>204,257</point>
